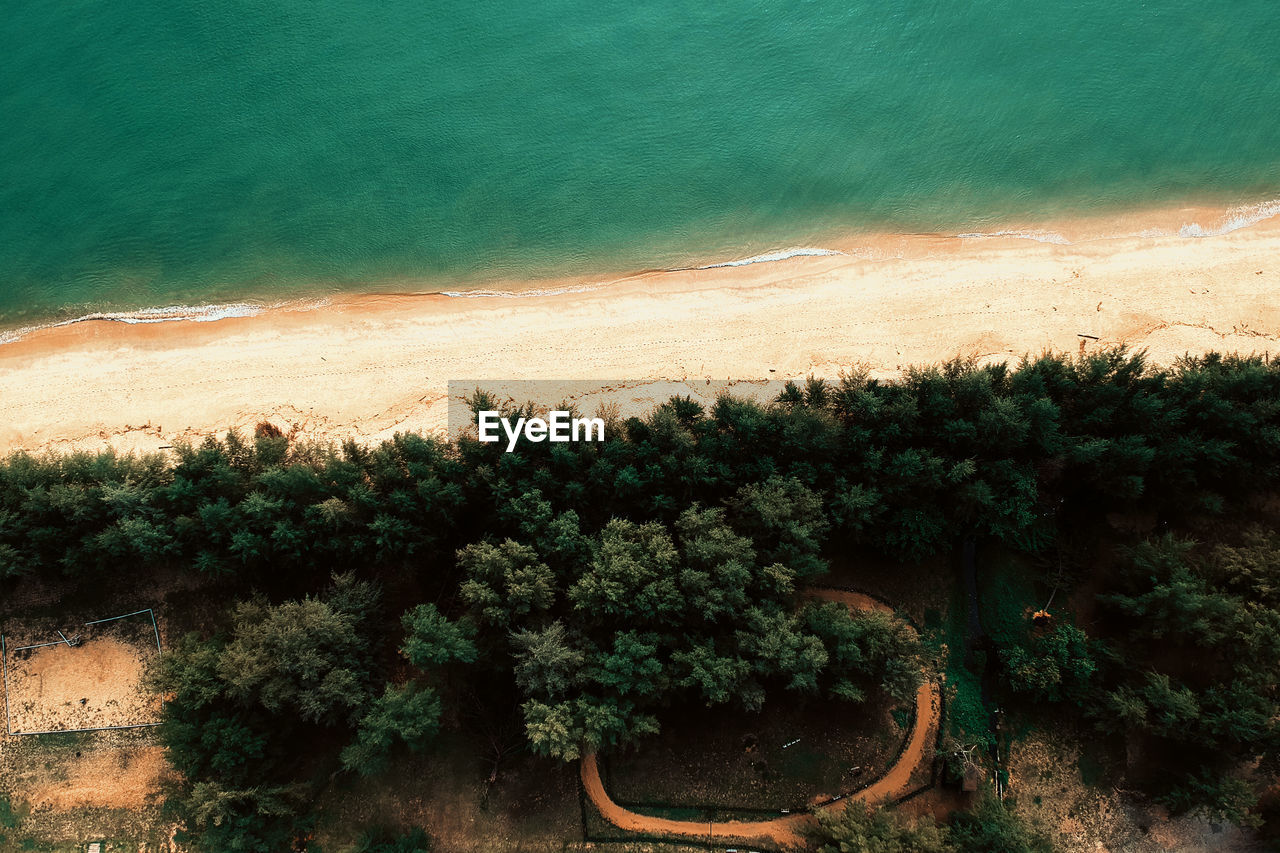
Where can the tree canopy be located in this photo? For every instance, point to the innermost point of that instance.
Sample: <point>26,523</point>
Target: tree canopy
<point>592,588</point>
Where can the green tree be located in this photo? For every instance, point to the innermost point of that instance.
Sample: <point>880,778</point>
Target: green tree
<point>868,649</point>
<point>546,663</point>
<point>787,521</point>
<point>432,640</point>
<point>1216,796</point>
<point>310,657</point>
<point>566,730</point>
<point>1058,665</point>
<point>407,715</point>
<point>260,819</point>
<point>633,579</point>
<point>506,582</point>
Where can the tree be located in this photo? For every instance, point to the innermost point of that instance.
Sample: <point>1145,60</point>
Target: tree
<point>546,663</point>
<point>633,667</point>
<point>868,649</point>
<point>310,657</point>
<point>408,715</point>
<point>787,521</point>
<point>566,730</point>
<point>633,578</point>
<point>1055,666</point>
<point>260,819</point>
<point>506,582</point>
<point>716,677</point>
<point>1216,796</point>
<point>720,566</point>
<point>432,640</point>
<point>1219,698</point>
<point>776,644</point>
<point>204,733</point>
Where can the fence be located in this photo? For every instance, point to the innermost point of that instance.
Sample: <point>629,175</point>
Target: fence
<point>70,643</point>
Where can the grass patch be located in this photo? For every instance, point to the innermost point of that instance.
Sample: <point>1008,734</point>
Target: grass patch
<point>8,817</point>
<point>62,741</point>
<point>967,719</point>
<point>1008,592</point>
<point>792,752</point>
<point>532,807</point>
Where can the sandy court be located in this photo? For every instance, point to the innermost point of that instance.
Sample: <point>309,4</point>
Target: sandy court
<point>93,685</point>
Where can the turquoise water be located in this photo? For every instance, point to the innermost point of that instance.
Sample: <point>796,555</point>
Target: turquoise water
<point>154,153</point>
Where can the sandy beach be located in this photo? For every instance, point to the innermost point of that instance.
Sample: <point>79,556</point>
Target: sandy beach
<point>366,367</point>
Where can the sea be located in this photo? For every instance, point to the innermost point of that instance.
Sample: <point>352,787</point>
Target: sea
<point>182,158</point>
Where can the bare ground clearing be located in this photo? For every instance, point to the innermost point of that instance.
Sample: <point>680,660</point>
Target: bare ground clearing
<point>93,685</point>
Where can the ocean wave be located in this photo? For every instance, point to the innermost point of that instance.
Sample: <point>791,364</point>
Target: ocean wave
<point>767,257</point>
<point>1038,236</point>
<point>166,314</point>
<point>170,313</point>
<point>1234,219</point>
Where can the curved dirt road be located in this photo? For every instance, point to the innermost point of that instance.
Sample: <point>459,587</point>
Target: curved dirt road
<point>785,831</point>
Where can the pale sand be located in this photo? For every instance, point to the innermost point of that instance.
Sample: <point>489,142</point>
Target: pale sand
<point>367,367</point>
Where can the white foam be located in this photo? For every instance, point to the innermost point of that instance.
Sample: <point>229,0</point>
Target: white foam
<point>170,313</point>
<point>1038,236</point>
<point>767,257</point>
<point>166,314</point>
<point>1234,219</point>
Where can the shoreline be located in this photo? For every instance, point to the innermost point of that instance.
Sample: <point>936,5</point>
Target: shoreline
<point>1139,222</point>
<point>364,366</point>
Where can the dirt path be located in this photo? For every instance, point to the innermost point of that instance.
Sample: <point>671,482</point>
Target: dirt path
<point>787,831</point>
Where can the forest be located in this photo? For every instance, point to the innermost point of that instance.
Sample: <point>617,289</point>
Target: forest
<point>370,598</point>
